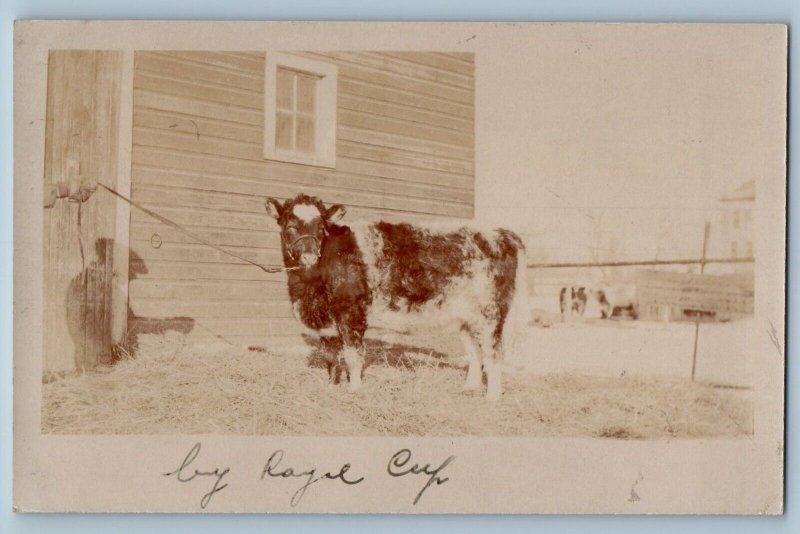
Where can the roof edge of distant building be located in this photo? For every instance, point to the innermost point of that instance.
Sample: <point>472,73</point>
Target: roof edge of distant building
<point>745,191</point>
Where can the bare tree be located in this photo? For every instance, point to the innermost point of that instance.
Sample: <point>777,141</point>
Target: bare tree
<point>604,245</point>
<point>663,234</point>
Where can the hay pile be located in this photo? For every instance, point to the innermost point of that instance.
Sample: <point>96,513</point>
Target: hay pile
<point>174,388</point>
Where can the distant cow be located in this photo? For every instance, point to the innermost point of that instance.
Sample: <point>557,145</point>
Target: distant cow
<point>348,277</point>
<point>616,301</point>
<point>573,301</point>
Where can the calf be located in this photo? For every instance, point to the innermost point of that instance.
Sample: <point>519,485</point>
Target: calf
<point>348,277</point>
<point>573,301</point>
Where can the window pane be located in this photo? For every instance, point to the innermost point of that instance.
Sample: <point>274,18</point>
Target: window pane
<point>305,133</point>
<point>285,89</point>
<point>306,87</point>
<point>283,130</point>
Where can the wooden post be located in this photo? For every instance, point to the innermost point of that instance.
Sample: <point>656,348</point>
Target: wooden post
<point>81,144</point>
<point>706,231</point>
<point>119,295</point>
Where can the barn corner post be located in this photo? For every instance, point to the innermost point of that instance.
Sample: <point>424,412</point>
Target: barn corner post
<point>706,231</point>
<point>82,146</point>
<point>119,295</point>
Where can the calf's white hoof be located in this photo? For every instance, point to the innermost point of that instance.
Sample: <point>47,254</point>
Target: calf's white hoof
<point>354,386</point>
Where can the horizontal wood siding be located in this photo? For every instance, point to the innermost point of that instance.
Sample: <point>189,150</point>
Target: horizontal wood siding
<point>405,150</point>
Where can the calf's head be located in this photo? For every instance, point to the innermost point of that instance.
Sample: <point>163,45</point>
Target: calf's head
<point>304,223</point>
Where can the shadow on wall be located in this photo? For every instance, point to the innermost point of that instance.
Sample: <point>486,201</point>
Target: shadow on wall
<point>89,308</point>
<point>148,325</point>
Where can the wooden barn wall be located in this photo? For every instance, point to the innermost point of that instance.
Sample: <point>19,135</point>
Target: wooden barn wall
<point>405,132</point>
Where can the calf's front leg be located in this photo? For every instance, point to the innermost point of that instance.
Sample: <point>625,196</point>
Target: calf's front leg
<point>354,360</point>
<point>353,354</point>
<point>331,347</point>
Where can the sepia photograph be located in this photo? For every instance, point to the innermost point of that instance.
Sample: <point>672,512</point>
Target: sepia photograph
<point>300,234</point>
<point>375,241</point>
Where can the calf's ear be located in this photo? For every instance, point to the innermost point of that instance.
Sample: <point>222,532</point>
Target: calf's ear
<point>274,208</point>
<point>335,213</point>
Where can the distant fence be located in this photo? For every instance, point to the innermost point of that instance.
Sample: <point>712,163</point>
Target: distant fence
<point>726,294</point>
<point>639,263</point>
<point>666,294</point>
<point>719,293</point>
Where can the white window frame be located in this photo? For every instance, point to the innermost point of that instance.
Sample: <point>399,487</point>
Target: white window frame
<point>324,154</point>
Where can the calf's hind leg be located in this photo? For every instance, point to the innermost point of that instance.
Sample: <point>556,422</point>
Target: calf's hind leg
<point>492,357</point>
<point>473,355</point>
<point>485,354</point>
<point>494,376</point>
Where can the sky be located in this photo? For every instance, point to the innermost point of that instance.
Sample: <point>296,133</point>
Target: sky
<point>641,131</point>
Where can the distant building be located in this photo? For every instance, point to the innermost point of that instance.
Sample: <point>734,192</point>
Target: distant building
<point>734,235</point>
<point>726,290</point>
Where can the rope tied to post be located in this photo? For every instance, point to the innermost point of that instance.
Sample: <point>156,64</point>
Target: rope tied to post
<point>271,269</point>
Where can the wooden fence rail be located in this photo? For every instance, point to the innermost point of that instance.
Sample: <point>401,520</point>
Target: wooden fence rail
<point>639,263</point>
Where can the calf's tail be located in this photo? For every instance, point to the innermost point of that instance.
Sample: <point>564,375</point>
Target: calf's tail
<point>516,324</point>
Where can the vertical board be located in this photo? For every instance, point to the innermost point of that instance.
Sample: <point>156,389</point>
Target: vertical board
<point>404,146</point>
<point>119,298</point>
<point>81,143</point>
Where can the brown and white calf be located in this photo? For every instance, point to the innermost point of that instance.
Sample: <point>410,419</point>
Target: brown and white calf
<point>348,277</point>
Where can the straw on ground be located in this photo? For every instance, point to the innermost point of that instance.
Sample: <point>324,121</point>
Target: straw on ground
<point>174,388</point>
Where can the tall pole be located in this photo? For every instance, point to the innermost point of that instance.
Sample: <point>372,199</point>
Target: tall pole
<point>706,231</point>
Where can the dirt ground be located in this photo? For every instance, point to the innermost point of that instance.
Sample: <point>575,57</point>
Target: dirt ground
<point>610,348</point>
<point>172,387</point>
